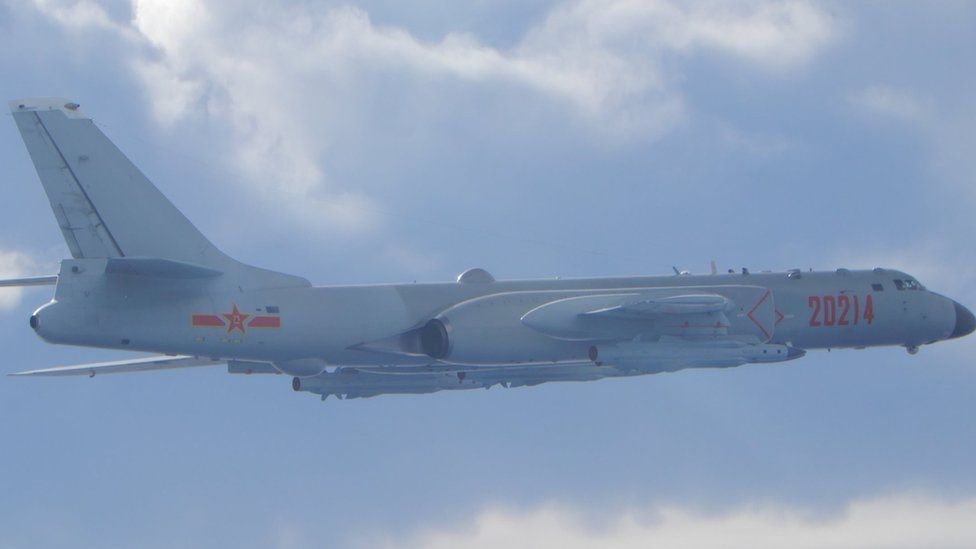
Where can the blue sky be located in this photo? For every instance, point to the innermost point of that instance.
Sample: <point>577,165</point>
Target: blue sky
<point>378,142</point>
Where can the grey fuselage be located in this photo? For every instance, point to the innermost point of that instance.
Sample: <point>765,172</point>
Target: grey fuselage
<point>382,325</point>
<point>142,277</point>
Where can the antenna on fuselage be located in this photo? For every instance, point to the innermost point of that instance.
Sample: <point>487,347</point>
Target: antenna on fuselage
<point>714,268</point>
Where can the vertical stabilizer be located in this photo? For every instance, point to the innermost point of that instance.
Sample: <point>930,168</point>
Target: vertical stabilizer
<point>105,206</point>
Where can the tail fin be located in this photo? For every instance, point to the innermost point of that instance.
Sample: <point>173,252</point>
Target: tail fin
<point>105,206</point>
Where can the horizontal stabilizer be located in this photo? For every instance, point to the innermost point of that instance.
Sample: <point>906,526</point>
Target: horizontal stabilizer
<point>30,281</point>
<point>123,366</point>
<point>154,266</point>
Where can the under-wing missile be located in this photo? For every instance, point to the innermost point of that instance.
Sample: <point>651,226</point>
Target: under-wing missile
<point>346,382</point>
<point>669,354</point>
<point>353,381</point>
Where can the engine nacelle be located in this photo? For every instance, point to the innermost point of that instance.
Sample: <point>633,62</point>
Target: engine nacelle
<point>435,339</point>
<point>465,337</point>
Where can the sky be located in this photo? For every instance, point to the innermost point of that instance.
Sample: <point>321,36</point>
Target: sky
<point>383,141</point>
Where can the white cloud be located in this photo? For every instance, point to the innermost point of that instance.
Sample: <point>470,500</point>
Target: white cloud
<point>79,14</point>
<point>770,35</point>
<point>602,58</point>
<point>889,522</point>
<point>944,124</point>
<point>14,264</point>
<point>292,80</point>
<point>890,102</point>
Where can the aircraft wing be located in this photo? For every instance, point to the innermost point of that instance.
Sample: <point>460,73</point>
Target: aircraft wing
<point>162,362</point>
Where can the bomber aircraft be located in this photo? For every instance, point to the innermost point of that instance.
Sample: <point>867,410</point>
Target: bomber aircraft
<point>143,278</point>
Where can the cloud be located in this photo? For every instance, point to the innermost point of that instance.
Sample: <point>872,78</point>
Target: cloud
<point>602,59</point>
<point>944,123</point>
<point>776,36</point>
<point>888,522</point>
<point>14,264</point>
<point>291,81</point>
<point>79,15</point>
<point>900,104</point>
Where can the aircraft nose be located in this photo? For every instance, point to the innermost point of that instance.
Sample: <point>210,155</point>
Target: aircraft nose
<point>965,322</point>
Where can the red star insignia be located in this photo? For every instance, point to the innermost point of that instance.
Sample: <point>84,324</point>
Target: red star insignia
<point>236,319</point>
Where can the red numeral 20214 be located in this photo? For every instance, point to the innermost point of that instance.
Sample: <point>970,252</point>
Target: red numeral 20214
<point>840,310</point>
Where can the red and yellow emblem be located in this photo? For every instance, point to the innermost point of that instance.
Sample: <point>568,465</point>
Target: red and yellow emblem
<point>235,320</point>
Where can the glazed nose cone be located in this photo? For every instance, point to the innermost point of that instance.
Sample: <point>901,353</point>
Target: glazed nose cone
<point>965,322</point>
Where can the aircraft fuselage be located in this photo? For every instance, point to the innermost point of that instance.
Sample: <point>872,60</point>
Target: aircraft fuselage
<point>143,278</point>
<point>485,323</point>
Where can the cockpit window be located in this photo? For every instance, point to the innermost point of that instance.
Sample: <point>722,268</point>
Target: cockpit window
<point>907,284</point>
